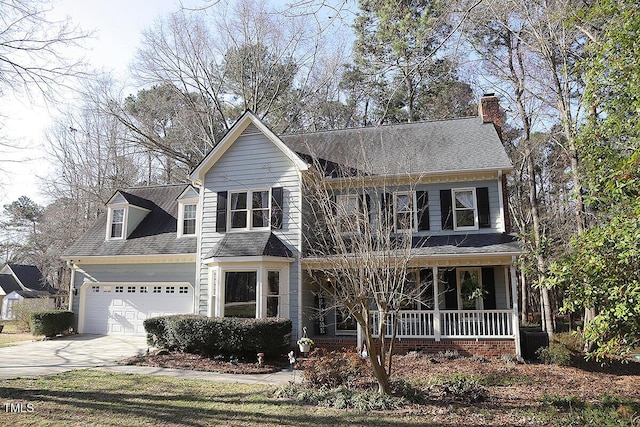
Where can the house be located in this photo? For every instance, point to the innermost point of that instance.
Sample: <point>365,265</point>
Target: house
<point>24,283</point>
<point>232,241</point>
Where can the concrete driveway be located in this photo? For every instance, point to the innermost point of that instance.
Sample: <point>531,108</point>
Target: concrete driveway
<point>35,358</point>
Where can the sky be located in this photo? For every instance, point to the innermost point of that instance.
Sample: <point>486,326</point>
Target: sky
<point>118,25</point>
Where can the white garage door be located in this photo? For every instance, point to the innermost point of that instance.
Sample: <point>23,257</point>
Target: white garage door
<point>121,308</point>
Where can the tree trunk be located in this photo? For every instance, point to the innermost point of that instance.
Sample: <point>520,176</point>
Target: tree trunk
<point>523,297</point>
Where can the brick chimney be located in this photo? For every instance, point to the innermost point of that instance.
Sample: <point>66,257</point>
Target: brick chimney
<point>489,110</point>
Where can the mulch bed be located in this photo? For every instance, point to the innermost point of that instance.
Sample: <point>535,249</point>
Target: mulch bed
<point>518,384</point>
<point>177,360</point>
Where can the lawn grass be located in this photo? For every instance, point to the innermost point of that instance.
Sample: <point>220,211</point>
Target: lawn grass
<point>98,398</point>
<point>11,334</point>
<point>92,397</point>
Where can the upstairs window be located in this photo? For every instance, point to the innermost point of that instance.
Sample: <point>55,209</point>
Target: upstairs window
<point>404,205</point>
<point>465,214</point>
<point>347,212</point>
<point>117,223</point>
<point>260,209</point>
<point>250,210</point>
<point>189,212</point>
<point>238,213</point>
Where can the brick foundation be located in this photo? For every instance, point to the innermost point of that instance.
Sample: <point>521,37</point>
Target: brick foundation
<point>482,347</point>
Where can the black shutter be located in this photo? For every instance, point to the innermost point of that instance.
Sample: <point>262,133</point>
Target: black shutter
<point>426,288</point>
<point>276,208</point>
<point>364,204</point>
<point>482,200</point>
<point>451,290</point>
<point>489,288</point>
<point>386,208</point>
<point>445,210</point>
<point>221,212</point>
<point>422,198</point>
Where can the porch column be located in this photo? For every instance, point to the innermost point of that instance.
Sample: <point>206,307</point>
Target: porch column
<point>437,328</point>
<point>514,303</point>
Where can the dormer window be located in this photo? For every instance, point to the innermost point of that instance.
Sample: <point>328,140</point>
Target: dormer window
<point>117,223</point>
<point>188,212</point>
<point>125,212</point>
<point>189,220</point>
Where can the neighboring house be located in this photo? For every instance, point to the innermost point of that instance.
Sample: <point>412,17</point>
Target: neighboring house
<point>24,283</point>
<point>231,243</point>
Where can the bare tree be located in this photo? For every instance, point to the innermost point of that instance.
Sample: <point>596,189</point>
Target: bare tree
<point>93,157</point>
<point>32,48</point>
<point>356,255</point>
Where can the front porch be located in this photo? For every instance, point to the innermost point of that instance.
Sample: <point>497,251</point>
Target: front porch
<point>450,324</point>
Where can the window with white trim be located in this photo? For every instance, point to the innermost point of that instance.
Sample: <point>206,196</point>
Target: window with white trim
<point>249,210</point>
<point>240,293</point>
<point>347,207</point>
<point>273,293</point>
<point>470,288</point>
<point>405,212</point>
<point>189,215</point>
<point>465,210</point>
<point>117,224</point>
<point>345,322</point>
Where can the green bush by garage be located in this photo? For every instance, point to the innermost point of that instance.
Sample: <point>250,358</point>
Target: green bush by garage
<point>220,336</point>
<point>51,322</point>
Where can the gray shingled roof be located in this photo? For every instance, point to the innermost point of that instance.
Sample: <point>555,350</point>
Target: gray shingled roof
<point>467,244</point>
<point>8,283</point>
<point>156,234</point>
<point>250,244</point>
<point>30,276</point>
<point>419,147</point>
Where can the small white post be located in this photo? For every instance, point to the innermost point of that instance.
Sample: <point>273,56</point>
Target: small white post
<point>437,326</point>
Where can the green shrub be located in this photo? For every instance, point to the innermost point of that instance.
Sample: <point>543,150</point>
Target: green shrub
<point>554,354</point>
<point>215,336</point>
<point>340,397</point>
<point>336,368</point>
<point>51,322</point>
<point>457,387</point>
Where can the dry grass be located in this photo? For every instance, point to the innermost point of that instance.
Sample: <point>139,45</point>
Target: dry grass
<point>12,334</point>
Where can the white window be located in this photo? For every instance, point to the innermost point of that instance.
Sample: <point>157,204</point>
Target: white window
<point>183,290</point>
<point>188,220</point>
<point>405,212</point>
<point>465,211</point>
<point>470,290</point>
<point>418,290</point>
<point>119,289</point>
<point>95,288</point>
<point>131,289</point>
<point>249,210</point>
<point>240,293</point>
<point>347,206</point>
<point>144,289</point>
<point>345,323</point>
<point>273,293</point>
<point>260,209</point>
<point>157,289</point>
<point>170,289</point>
<point>117,224</point>
<point>238,210</point>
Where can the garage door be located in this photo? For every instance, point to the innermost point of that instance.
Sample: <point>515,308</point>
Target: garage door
<point>121,308</point>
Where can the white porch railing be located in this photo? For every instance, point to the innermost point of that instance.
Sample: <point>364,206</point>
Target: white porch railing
<point>411,324</point>
<point>452,324</point>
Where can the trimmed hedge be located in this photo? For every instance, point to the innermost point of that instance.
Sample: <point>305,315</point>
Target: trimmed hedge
<point>220,336</point>
<point>51,322</point>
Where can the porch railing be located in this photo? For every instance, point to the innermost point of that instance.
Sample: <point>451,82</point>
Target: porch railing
<point>450,324</point>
